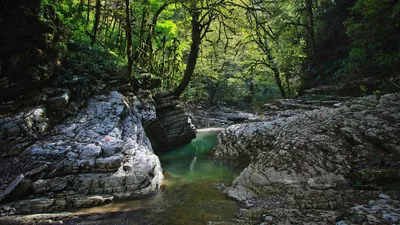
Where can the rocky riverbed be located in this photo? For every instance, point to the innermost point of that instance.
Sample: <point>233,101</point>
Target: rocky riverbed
<point>318,163</point>
<point>312,162</point>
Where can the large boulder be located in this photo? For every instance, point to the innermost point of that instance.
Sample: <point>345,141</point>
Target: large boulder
<point>101,151</point>
<point>320,150</point>
<point>172,126</point>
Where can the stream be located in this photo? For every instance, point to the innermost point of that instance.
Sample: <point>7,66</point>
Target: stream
<point>191,193</point>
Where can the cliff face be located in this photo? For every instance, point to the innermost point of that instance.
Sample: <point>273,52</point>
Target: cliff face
<point>28,56</point>
<point>99,154</point>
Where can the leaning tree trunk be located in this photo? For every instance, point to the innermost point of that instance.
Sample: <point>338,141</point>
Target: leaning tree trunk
<point>96,21</point>
<point>193,55</point>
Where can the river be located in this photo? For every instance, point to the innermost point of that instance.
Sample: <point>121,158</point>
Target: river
<point>192,191</point>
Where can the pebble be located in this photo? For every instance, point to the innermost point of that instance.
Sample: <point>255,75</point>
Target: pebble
<point>248,204</point>
<point>371,202</point>
<point>383,196</point>
<point>382,201</point>
<point>390,218</point>
<point>268,218</point>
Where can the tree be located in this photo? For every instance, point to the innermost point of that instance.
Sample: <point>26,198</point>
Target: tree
<point>264,34</point>
<point>128,32</point>
<point>201,17</point>
<point>374,32</point>
<point>97,21</point>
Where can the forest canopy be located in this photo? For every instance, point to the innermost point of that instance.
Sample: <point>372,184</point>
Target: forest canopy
<point>240,50</point>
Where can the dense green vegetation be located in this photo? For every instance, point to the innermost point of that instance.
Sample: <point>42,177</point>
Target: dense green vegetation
<point>236,50</point>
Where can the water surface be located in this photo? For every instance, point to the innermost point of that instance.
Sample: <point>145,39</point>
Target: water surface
<point>192,191</point>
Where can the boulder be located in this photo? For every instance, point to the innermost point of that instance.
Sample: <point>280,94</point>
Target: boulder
<point>103,150</point>
<point>318,150</point>
<point>172,126</point>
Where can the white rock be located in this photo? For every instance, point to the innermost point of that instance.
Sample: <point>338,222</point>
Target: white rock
<point>383,196</point>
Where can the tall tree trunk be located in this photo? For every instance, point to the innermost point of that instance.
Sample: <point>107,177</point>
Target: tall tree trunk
<point>149,45</point>
<point>277,74</point>
<point>140,48</point>
<point>88,14</point>
<point>251,89</point>
<point>118,33</point>
<point>80,8</point>
<point>311,27</point>
<point>97,20</point>
<point>288,84</point>
<point>164,42</point>
<point>128,32</point>
<point>193,55</point>
<point>113,27</point>
<point>279,82</point>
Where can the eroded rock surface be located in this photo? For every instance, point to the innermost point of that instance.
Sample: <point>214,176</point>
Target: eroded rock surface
<point>317,150</point>
<point>101,151</point>
<point>172,126</point>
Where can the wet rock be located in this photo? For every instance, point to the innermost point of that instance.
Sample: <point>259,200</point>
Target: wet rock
<point>41,205</point>
<point>11,187</point>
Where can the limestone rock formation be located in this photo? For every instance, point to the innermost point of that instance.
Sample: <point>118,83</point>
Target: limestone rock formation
<point>101,151</point>
<point>19,131</point>
<point>173,126</point>
<point>324,149</point>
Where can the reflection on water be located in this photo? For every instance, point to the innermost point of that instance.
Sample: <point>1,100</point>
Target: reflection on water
<point>192,162</point>
<point>192,191</point>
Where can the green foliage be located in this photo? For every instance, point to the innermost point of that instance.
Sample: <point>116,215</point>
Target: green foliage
<point>90,68</point>
<point>307,42</point>
<point>374,30</point>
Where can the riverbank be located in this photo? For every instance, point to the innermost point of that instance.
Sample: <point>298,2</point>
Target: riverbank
<point>191,193</point>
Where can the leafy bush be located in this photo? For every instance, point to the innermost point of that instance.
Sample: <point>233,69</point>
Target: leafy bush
<point>87,70</point>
